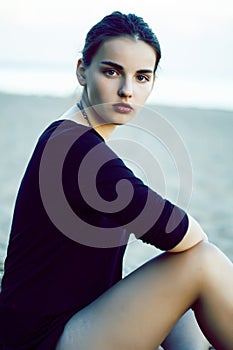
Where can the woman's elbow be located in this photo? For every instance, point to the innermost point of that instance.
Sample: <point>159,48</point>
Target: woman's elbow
<point>193,236</point>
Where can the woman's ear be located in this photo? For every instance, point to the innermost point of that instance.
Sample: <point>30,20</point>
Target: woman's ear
<point>81,72</point>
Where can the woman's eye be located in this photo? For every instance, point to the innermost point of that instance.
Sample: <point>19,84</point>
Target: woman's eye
<point>142,78</point>
<point>110,73</point>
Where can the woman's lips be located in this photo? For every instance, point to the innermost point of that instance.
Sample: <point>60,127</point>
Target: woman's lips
<point>123,108</point>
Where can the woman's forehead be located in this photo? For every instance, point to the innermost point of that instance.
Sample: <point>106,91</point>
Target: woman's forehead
<point>127,51</point>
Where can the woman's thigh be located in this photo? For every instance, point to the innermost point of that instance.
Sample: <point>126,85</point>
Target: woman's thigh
<point>139,311</point>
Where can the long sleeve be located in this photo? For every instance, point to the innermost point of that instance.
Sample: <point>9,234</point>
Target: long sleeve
<point>100,185</point>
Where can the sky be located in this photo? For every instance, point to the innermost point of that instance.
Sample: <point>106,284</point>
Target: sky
<point>40,42</point>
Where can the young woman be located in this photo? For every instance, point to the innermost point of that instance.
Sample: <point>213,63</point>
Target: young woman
<point>62,288</point>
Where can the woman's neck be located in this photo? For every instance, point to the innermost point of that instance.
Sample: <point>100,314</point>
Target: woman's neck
<point>105,130</point>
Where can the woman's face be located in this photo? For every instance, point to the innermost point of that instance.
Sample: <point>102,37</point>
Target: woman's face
<point>119,79</point>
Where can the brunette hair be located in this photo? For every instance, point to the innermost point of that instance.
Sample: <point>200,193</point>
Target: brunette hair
<point>119,24</point>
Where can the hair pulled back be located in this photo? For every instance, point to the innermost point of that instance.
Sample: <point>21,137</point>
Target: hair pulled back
<point>115,25</point>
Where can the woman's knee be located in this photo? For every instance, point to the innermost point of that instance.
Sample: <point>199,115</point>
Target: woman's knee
<point>211,267</point>
<point>209,259</point>
<point>199,264</point>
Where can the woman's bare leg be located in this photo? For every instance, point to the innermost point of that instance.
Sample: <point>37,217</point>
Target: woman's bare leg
<point>139,312</point>
<point>186,335</point>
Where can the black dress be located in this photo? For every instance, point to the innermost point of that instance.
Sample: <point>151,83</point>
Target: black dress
<point>76,207</point>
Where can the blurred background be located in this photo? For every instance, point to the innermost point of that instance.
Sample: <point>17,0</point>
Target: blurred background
<point>41,41</point>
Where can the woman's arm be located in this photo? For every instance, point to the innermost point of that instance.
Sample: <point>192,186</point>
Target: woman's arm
<point>194,235</point>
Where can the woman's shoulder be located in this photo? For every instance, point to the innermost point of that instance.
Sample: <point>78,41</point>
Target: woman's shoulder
<point>63,129</point>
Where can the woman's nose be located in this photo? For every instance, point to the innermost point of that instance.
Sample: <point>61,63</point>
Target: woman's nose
<point>126,89</point>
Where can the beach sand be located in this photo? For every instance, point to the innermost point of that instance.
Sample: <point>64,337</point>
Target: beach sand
<point>207,136</point>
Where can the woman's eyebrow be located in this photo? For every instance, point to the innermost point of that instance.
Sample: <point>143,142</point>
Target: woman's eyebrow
<point>120,68</point>
<point>112,64</point>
